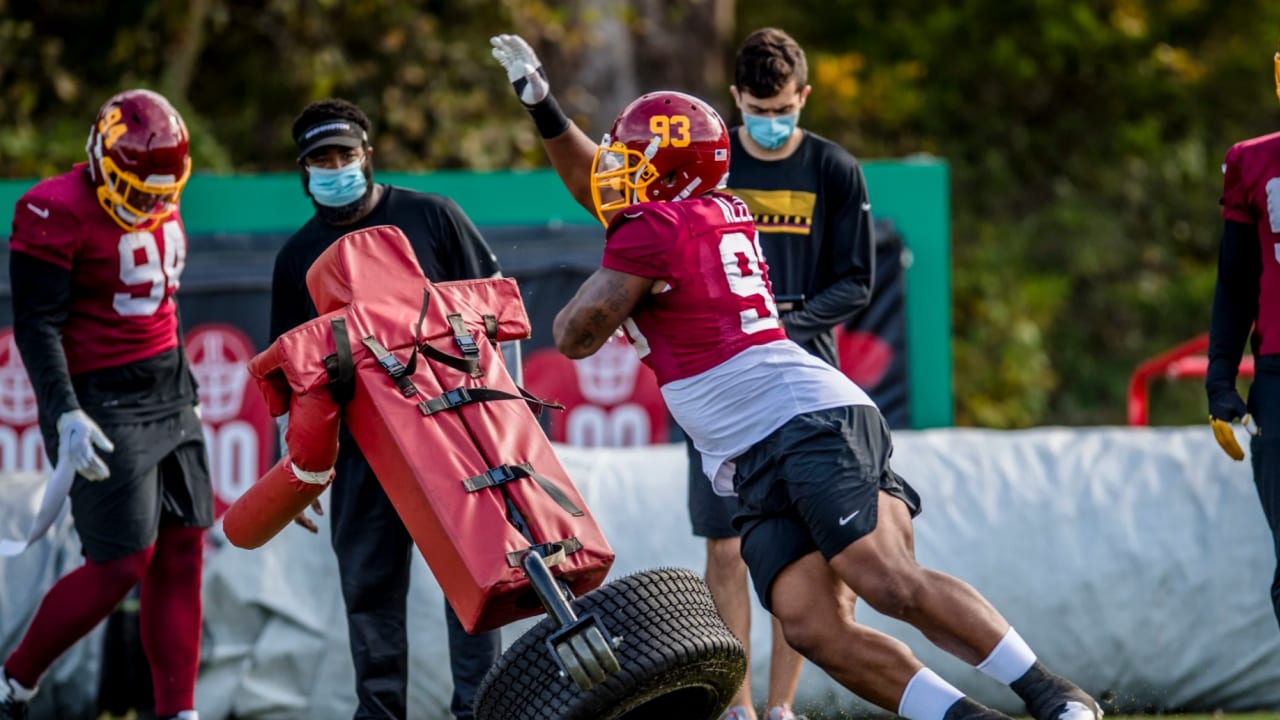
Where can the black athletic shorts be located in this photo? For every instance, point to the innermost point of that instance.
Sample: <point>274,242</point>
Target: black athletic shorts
<point>710,514</point>
<point>813,485</point>
<point>159,471</point>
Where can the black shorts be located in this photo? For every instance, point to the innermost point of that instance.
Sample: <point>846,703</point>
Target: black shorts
<point>710,514</point>
<point>159,472</point>
<point>813,485</point>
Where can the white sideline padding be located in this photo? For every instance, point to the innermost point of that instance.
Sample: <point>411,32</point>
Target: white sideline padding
<point>1135,561</point>
<point>70,688</point>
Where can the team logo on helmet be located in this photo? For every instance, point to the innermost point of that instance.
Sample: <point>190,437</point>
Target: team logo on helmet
<point>138,157</point>
<point>663,146</point>
<point>17,398</point>
<point>219,357</point>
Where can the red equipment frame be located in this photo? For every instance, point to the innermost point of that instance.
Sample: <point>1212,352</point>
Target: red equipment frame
<point>1186,360</point>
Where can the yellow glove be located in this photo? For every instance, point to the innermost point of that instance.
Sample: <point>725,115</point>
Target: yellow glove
<point>1226,437</point>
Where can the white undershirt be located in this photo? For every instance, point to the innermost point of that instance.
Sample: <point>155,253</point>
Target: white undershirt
<point>734,405</point>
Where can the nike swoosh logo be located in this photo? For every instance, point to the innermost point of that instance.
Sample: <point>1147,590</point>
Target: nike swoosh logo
<point>845,520</point>
<point>42,212</point>
<point>866,207</point>
<point>632,216</point>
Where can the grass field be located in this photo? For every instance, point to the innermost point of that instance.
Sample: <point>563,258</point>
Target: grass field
<point>1202,716</point>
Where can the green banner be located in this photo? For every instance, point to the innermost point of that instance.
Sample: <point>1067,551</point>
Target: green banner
<point>914,194</point>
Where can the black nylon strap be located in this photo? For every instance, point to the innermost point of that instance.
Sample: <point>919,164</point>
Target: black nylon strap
<point>466,343</point>
<point>506,473</point>
<point>392,365</point>
<point>417,330</point>
<point>471,366</point>
<point>463,396</point>
<point>553,553</point>
<point>341,366</point>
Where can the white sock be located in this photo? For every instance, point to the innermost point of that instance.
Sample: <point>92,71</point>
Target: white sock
<point>927,697</point>
<point>1010,660</point>
<point>188,715</point>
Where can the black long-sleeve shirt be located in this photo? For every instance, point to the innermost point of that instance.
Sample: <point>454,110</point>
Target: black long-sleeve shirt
<point>1235,304</point>
<point>814,218</point>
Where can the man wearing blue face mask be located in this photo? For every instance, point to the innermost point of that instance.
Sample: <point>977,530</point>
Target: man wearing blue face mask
<point>335,159</point>
<point>809,202</point>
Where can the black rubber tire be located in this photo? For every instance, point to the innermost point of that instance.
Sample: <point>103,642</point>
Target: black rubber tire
<point>678,659</point>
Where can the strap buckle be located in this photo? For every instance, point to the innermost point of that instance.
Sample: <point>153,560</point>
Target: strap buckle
<point>500,474</point>
<point>467,345</point>
<point>455,397</point>
<point>392,365</point>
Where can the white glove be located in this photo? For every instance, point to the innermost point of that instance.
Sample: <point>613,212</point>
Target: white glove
<point>524,70</point>
<point>78,435</point>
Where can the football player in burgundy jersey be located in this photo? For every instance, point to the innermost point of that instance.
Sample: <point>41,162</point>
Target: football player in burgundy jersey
<point>804,449</point>
<point>95,258</point>
<point>1247,297</point>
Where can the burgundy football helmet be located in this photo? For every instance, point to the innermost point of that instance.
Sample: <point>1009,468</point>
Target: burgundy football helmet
<point>139,158</point>
<point>663,146</point>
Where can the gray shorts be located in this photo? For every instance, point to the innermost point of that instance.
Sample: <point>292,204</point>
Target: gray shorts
<point>710,514</point>
<point>813,485</point>
<point>159,471</point>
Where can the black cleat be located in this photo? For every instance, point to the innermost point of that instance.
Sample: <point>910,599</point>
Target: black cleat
<point>1052,697</point>
<point>967,708</point>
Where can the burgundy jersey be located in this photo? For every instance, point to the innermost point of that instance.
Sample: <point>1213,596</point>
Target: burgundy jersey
<point>121,307</point>
<point>1251,195</point>
<point>717,302</point>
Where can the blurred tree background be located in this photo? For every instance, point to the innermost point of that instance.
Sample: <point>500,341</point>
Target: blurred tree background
<point>1084,136</point>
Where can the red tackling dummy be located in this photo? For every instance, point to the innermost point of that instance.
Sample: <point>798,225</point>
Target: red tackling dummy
<point>449,435</point>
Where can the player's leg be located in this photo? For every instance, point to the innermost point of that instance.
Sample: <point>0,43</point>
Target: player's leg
<point>373,550</point>
<point>116,520</point>
<point>470,657</point>
<point>859,513</point>
<point>785,664</point>
<point>817,619</point>
<point>171,613</point>
<point>726,574</point>
<point>1264,456</point>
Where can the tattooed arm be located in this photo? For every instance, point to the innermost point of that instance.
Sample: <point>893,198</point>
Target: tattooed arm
<point>597,310</point>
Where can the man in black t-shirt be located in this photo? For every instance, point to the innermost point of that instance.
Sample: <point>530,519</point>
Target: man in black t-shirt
<point>371,543</point>
<point>809,203</point>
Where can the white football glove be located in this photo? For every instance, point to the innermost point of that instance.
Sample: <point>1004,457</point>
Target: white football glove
<point>78,435</point>
<point>524,70</point>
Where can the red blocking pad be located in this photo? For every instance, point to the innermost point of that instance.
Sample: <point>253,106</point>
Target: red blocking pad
<point>469,470</point>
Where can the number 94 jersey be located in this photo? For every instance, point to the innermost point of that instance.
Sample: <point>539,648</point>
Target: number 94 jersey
<point>121,308</point>
<point>713,300</point>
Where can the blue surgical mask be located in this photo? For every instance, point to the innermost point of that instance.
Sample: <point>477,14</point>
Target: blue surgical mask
<point>770,132</point>
<point>339,186</point>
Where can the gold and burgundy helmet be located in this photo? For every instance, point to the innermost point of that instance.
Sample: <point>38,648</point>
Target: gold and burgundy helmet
<point>663,146</point>
<point>139,158</point>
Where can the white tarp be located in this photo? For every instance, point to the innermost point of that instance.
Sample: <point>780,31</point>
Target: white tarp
<point>1135,561</point>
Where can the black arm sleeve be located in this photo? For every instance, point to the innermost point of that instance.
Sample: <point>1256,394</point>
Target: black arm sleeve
<point>853,255</point>
<point>469,256</point>
<point>41,303</point>
<point>1235,304</point>
<point>288,297</point>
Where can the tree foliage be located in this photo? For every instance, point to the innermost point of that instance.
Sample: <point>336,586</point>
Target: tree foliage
<point>1084,136</point>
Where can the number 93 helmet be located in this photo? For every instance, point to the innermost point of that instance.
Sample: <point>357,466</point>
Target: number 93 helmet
<point>663,146</point>
<point>139,158</point>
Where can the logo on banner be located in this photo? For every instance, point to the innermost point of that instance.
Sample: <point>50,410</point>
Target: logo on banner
<point>864,356</point>
<point>611,399</point>
<point>21,444</point>
<point>239,431</point>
